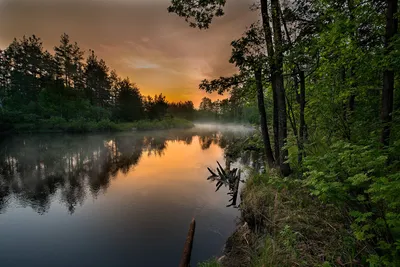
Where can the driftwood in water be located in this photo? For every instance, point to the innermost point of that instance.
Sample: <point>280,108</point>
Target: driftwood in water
<point>230,178</point>
<point>187,250</point>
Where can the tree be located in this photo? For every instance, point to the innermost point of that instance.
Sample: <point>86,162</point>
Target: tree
<point>200,14</point>
<point>182,109</point>
<point>129,101</point>
<point>69,62</point>
<point>97,81</point>
<point>156,108</point>
<point>248,56</point>
<point>27,66</point>
<point>388,72</point>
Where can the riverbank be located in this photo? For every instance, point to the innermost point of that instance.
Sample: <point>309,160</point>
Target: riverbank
<point>282,225</point>
<point>85,126</point>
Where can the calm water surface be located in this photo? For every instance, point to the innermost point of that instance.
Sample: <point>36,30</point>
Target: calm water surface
<point>112,199</point>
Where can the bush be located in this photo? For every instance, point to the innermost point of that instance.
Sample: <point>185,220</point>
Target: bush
<point>358,179</point>
<point>54,123</point>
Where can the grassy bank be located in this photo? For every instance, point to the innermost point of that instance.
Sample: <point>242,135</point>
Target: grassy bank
<point>282,225</point>
<point>84,126</point>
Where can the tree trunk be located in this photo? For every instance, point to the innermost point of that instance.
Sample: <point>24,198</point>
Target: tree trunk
<point>388,73</point>
<point>276,124</point>
<point>302,127</point>
<point>270,51</point>
<point>280,89</point>
<point>263,119</point>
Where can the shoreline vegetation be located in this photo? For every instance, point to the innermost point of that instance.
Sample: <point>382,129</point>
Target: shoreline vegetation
<point>324,78</point>
<point>310,219</point>
<point>59,125</point>
<point>65,91</point>
<point>281,224</point>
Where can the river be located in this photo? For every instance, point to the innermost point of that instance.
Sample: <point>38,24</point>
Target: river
<point>123,199</point>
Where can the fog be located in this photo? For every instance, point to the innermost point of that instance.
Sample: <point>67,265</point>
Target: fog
<point>231,127</point>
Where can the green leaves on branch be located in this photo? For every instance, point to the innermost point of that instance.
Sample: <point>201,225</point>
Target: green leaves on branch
<point>221,85</point>
<point>357,177</point>
<point>198,13</point>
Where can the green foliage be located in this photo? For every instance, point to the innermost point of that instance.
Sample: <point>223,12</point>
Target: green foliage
<point>198,13</point>
<point>41,92</point>
<point>358,178</point>
<point>342,56</point>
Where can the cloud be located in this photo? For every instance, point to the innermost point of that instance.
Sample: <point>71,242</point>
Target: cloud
<point>138,38</point>
<point>141,64</point>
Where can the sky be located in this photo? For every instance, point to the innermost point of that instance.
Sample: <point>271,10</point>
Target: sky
<point>157,50</point>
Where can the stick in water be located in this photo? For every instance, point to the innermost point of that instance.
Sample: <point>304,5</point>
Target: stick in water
<point>187,250</point>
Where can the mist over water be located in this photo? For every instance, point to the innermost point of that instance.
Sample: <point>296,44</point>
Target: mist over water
<point>226,127</point>
<point>121,199</point>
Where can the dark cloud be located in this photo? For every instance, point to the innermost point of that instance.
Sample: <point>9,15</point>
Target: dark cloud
<point>140,39</point>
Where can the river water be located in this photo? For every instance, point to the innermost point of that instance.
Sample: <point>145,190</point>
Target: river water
<point>122,199</point>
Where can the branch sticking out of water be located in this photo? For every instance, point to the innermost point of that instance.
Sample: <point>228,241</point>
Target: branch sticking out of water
<point>230,178</point>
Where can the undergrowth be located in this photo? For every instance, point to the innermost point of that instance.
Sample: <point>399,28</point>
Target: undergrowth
<point>285,226</point>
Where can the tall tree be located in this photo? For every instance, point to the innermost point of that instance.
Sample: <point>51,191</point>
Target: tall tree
<point>27,66</point>
<point>69,61</point>
<point>248,56</point>
<point>97,81</point>
<point>388,73</point>
<point>63,57</point>
<point>129,101</point>
<point>200,14</point>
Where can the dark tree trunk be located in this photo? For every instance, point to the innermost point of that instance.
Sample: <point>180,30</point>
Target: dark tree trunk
<point>388,73</point>
<point>280,89</point>
<point>276,125</point>
<point>302,130</point>
<point>263,119</point>
<point>270,51</point>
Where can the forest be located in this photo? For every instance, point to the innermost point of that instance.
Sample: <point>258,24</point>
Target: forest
<point>64,91</point>
<point>323,77</point>
<point>319,80</point>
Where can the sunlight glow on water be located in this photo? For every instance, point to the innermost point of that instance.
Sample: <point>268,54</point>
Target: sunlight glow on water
<point>111,199</point>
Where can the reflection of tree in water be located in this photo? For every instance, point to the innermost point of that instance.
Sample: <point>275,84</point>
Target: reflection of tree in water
<point>155,146</point>
<point>35,170</point>
<point>208,138</point>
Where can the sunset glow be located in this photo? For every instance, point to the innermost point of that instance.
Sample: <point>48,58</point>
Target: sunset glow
<point>140,39</point>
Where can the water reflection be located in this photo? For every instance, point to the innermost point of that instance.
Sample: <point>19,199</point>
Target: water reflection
<point>35,170</point>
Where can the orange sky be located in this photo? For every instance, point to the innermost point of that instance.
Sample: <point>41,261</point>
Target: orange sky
<point>138,38</point>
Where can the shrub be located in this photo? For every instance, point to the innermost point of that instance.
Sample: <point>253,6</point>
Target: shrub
<point>358,179</point>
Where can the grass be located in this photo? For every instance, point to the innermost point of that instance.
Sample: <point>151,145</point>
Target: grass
<point>282,225</point>
<point>56,124</point>
<point>209,263</point>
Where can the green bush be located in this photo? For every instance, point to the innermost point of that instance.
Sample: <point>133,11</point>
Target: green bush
<point>54,123</point>
<point>358,179</point>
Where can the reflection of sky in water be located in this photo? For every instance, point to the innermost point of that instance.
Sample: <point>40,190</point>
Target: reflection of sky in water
<point>120,200</point>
